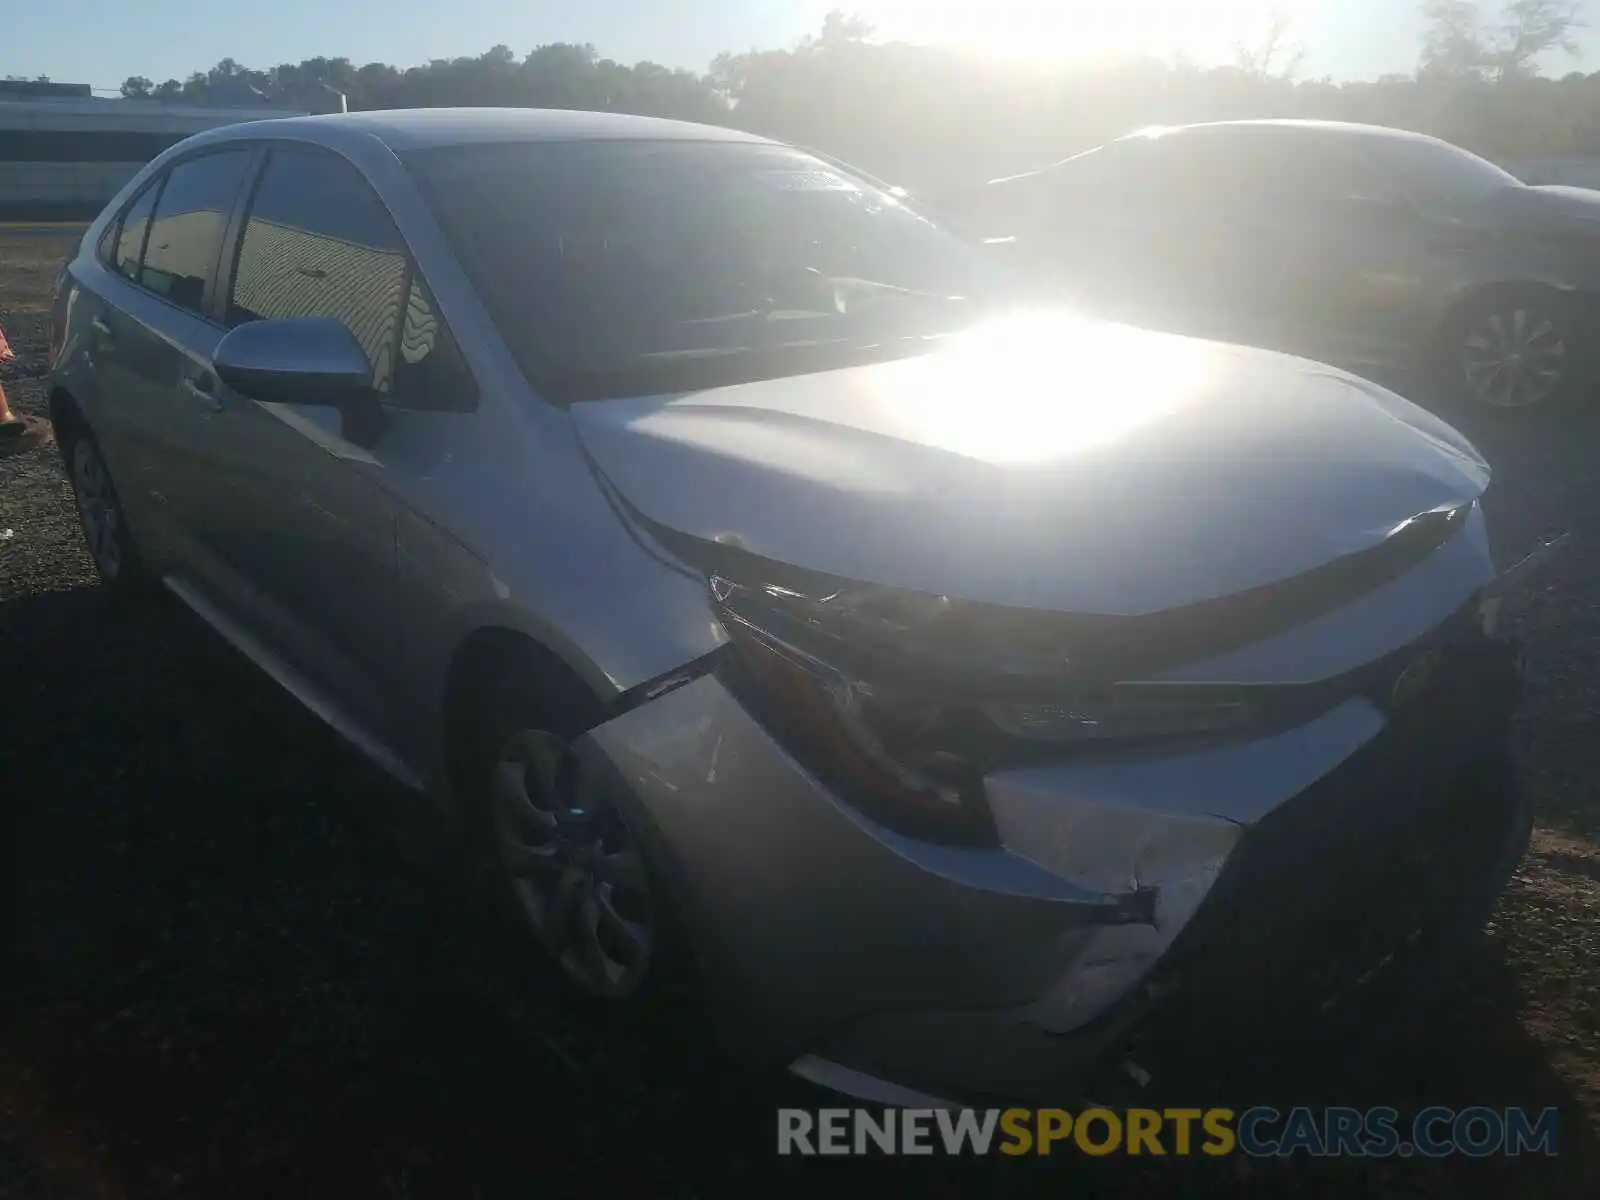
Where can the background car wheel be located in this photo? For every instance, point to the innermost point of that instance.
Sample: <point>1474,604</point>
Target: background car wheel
<point>556,857</point>
<point>1514,350</point>
<point>100,513</point>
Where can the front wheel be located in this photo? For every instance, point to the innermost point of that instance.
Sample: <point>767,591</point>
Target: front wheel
<point>1514,351</point>
<point>559,858</point>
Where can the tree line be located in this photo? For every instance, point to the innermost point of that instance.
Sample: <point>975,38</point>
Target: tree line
<point>930,116</point>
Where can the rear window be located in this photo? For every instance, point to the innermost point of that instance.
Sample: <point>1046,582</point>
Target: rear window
<point>1435,174</point>
<point>128,249</point>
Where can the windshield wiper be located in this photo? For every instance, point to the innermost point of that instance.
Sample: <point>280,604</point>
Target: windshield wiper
<point>704,352</point>
<point>844,289</point>
<point>760,314</point>
<point>698,368</point>
<point>873,289</point>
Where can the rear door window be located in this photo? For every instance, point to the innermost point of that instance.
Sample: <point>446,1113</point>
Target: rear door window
<point>1435,176</point>
<point>1289,176</point>
<point>190,220</point>
<point>128,251</point>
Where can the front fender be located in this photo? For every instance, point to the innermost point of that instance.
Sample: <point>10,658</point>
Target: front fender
<point>612,637</point>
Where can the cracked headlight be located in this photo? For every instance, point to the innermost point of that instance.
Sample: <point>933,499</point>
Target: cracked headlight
<point>903,703</point>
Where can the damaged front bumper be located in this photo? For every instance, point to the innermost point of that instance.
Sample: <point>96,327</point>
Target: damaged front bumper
<point>1405,845</point>
<point>1511,586</point>
<point>1121,892</point>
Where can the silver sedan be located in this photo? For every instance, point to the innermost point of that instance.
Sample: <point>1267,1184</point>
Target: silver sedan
<point>962,697</point>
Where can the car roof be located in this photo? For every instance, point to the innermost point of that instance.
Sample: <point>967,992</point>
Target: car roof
<point>1156,133</point>
<point>424,128</point>
<point>1341,128</point>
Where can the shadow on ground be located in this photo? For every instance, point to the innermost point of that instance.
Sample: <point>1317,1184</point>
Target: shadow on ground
<point>218,981</point>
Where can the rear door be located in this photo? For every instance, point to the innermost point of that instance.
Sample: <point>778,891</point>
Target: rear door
<point>133,365</point>
<point>177,278</point>
<point>158,262</point>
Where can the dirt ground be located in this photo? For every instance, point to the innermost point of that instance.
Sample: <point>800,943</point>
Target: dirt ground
<point>215,981</point>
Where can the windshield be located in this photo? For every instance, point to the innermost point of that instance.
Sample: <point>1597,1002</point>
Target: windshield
<point>616,268</point>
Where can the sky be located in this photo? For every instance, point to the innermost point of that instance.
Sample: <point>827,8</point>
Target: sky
<point>102,42</point>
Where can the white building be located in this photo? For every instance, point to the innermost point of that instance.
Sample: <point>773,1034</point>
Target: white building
<point>63,155</point>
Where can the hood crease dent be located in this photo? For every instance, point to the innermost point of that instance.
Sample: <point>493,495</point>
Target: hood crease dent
<point>1049,462</point>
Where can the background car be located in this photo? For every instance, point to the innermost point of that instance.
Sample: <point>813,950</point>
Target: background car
<point>955,695</point>
<point>1382,251</point>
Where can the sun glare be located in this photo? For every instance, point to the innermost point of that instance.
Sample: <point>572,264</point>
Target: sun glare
<point>1032,412</point>
<point>1073,29</point>
<point>1040,31</point>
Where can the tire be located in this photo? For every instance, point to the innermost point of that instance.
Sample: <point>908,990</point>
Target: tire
<point>1513,350</point>
<point>106,532</point>
<point>554,858</point>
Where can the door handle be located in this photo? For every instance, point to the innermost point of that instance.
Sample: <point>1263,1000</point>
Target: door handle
<point>202,392</point>
<point>99,342</point>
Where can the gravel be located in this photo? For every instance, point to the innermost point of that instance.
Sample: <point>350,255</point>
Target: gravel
<point>219,980</point>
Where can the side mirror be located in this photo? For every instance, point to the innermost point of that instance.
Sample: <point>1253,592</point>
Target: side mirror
<point>295,360</point>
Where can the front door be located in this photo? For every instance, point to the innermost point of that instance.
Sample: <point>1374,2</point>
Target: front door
<point>306,521</point>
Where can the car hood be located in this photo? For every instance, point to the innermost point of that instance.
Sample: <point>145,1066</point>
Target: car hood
<point>1051,461</point>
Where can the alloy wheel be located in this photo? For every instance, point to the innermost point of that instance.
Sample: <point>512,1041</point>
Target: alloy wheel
<point>1514,358</point>
<point>574,867</point>
<point>99,511</point>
